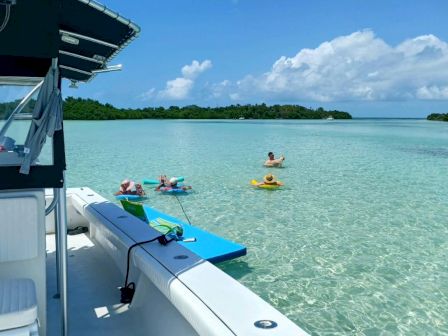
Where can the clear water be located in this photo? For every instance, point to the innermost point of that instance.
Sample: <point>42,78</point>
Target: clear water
<point>357,241</point>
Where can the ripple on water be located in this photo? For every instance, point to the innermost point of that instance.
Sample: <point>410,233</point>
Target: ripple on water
<point>357,241</point>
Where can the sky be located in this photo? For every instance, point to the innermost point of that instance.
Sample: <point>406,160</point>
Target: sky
<point>371,58</point>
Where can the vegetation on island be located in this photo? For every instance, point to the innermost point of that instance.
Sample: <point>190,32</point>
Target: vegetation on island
<point>88,109</point>
<point>7,108</point>
<point>438,116</point>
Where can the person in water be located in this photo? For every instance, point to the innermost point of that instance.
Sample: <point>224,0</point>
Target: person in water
<point>270,179</point>
<point>171,183</point>
<point>273,162</point>
<point>139,190</point>
<point>129,187</point>
<point>163,182</point>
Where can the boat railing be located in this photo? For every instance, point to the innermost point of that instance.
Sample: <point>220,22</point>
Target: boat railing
<point>209,300</point>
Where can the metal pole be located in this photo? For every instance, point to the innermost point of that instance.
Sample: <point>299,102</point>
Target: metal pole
<point>62,242</point>
<point>56,230</point>
<point>62,233</point>
<point>19,108</point>
<point>52,204</point>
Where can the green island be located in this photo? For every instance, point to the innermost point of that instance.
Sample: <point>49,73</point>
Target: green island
<point>89,109</point>
<point>438,116</point>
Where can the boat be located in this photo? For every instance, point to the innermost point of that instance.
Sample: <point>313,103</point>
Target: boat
<point>330,118</point>
<point>64,252</point>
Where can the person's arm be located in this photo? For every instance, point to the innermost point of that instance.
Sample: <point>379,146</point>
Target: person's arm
<point>279,183</point>
<point>268,163</point>
<point>120,191</point>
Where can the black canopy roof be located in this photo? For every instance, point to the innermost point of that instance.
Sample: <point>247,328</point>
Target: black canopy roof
<point>83,34</point>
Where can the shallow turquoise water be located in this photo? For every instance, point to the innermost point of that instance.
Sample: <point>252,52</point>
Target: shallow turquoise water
<point>357,241</point>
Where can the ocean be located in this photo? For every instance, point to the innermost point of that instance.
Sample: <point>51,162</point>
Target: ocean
<point>356,242</point>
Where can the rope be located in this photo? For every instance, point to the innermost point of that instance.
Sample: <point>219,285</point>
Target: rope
<point>6,19</point>
<point>183,210</point>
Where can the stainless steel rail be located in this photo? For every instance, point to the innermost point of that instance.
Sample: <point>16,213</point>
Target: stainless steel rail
<point>19,108</point>
<point>62,257</point>
<point>53,203</point>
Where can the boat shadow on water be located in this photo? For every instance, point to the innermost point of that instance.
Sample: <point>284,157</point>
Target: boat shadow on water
<point>237,269</point>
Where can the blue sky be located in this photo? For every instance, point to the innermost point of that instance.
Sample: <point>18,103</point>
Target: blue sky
<point>371,58</point>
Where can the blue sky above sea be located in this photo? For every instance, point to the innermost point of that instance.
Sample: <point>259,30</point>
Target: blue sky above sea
<point>382,58</point>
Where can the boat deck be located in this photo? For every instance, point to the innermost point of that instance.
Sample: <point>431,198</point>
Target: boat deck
<point>93,299</point>
<point>177,292</point>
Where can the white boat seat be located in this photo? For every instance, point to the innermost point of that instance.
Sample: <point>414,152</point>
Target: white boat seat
<point>18,305</point>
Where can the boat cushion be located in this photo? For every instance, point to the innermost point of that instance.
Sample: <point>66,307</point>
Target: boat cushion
<point>19,237</point>
<point>18,305</point>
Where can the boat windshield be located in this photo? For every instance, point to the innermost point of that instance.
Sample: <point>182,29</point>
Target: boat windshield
<point>16,106</point>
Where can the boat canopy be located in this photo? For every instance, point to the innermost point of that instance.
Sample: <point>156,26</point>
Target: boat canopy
<point>83,34</point>
<point>41,42</point>
<point>52,39</point>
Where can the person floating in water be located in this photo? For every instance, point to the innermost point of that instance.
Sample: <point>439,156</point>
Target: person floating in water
<point>273,162</point>
<point>171,183</point>
<point>129,187</point>
<point>163,182</point>
<point>271,180</point>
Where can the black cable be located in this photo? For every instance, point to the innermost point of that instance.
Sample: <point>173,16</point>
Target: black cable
<point>127,292</point>
<point>129,254</point>
<point>181,206</point>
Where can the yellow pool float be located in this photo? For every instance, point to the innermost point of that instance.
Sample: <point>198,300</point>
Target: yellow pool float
<point>264,186</point>
<point>269,182</point>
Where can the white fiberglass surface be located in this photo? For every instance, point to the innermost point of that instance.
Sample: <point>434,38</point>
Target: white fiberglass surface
<point>93,297</point>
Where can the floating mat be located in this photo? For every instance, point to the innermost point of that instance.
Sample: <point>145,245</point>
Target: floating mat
<point>130,197</point>
<point>156,181</point>
<point>178,190</point>
<point>208,246</point>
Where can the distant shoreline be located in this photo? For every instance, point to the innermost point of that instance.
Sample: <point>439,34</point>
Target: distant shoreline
<point>381,118</point>
<point>248,120</point>
<point>88,109</point>
<point>438,117</point>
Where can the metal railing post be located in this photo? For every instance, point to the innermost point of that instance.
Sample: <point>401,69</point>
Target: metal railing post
<point>62,245</point>
<point>56,238</point>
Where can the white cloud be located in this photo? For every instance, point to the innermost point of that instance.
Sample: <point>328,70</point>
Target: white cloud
<point>433,93</point>
<point>195,69</point>
<point>179,88</point>
<point>359,66</point>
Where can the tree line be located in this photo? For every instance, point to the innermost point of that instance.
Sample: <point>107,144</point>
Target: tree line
<point>438,116</point>
<point>8,107</point>
<point>89,109</point>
